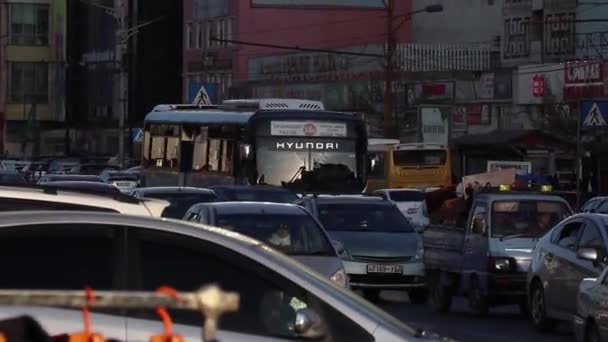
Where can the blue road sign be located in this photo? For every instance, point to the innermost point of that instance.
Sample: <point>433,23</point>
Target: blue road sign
<point>194,87</point>
<point>137,135</point>
<point>593,114</point>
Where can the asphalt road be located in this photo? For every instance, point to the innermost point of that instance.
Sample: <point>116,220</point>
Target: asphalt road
<point>503,323</point>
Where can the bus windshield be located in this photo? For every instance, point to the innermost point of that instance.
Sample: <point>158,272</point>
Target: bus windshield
<point>419,157</point>
<point>286,160</point>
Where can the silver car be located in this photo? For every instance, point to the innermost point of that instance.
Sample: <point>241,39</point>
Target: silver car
<point>573,250</point>
<point>286,227</point>
<point>111,251</point>
<point>380,248</point>
<point>591,319</point>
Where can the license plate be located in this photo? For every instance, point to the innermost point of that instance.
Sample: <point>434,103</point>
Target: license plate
<point>124,184</point>
<point>384,269</point>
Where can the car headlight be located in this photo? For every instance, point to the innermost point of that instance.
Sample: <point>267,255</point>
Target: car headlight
<point>419,249</point>
<point>340,278</point>
<point>501,264</point>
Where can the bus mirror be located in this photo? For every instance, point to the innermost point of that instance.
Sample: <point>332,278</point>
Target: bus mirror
<point>245,151</point>
<point>373,164</point>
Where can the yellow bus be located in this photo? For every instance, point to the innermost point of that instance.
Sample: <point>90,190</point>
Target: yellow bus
<point>411,166</point>
<point>377,149</point>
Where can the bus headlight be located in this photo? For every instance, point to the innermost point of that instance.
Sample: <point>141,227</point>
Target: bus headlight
<point>340,278</point>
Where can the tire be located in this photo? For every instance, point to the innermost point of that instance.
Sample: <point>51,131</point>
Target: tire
<point>538,309</point>
<point>418,295</point>
<point>592,334</point>
<point>440,296</point>
<point>477,301</point>
<point>372,295</point>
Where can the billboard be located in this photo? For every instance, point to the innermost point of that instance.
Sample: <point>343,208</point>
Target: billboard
<point>434,125</point>
<point>319,3</point>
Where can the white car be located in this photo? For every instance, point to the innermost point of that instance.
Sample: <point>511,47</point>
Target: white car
<point>280,299</point>
<point>49,197</point>
<point>411,202</point>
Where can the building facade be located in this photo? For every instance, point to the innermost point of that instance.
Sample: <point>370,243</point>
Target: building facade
<point>33,77</point>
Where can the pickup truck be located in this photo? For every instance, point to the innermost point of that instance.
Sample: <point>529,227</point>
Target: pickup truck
<point>487,259</point>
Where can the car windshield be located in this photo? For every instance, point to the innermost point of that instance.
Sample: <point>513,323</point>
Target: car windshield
<point>407,196</point>
<point>363,217</point>
<point>526,218</point>
<point>420,157</point>
<point>292,234</point>
<point>181,202</point>
<point>259,196</point>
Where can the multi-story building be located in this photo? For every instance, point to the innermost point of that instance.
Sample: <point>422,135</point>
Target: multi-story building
<point>33,75</point>
<point>207,61</point>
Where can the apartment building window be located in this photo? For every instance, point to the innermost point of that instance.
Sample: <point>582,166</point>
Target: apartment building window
<point>28,83</point>
<point>29,24</point>
<point>190,36</point>
<point>217,30</point>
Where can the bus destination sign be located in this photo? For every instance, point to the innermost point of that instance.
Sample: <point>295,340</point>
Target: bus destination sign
<point>307,129</point>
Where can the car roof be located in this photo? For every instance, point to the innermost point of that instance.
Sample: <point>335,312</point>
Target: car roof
<point>175,189</point>
<point>72,176</point>
<point>400,189</point>
<point>254,208</point>
<point>82,185</point>
<point>249,188</point>
<point>352,199</point>
<point>520,196</point>
<point>115,201</point>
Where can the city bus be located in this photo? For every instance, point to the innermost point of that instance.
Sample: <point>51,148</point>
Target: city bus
<point>308,151</point>
<point>377,150</point>
<point>414,165</point>
<point>291,143</point>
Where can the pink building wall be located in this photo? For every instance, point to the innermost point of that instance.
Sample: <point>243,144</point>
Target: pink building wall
<point>323,28</point>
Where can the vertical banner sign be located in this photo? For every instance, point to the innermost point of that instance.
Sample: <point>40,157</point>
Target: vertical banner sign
<point>486,86</point>
<point>434,125</point>
<point>538,86</point>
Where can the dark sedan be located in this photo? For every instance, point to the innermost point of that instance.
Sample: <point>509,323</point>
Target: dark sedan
<point>258,193</point>
<point>180,198</point>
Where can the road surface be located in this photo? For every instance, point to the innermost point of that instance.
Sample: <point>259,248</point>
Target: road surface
<point>504,324</point>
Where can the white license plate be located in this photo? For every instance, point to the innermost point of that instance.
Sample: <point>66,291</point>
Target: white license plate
<point>124,184</point>
<point>373,268</point>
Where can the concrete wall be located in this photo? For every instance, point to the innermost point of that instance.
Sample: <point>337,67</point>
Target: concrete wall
<point>462,21</point>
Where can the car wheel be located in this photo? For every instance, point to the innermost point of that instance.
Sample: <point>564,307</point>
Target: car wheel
<point>477,301</point>
<point>538,309</point>
<point>592,334</point>
<point>440,296</point>
<point>373,295</point>
<point>418,295</point>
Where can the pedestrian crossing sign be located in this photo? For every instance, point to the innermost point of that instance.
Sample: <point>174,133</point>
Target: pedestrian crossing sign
<point>593,114</point>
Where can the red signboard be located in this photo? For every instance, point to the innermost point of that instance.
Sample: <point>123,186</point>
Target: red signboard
<point>538,86</point>
<point>584,72</point>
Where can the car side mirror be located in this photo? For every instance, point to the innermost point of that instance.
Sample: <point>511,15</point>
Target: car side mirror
<point>245,152</point>
<point>479,225</point>
<point>338,246</point>
<point>309,325</point>
<point>589,254</point>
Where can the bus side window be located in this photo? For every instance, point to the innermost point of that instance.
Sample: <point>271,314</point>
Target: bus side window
<point>165,145</point>
<point>214,149</point>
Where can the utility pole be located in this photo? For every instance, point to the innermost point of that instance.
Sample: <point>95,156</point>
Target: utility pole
<point>389,70</point>
<point>122,35</point>
<point>122,40</point>
<point>390,61</point>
